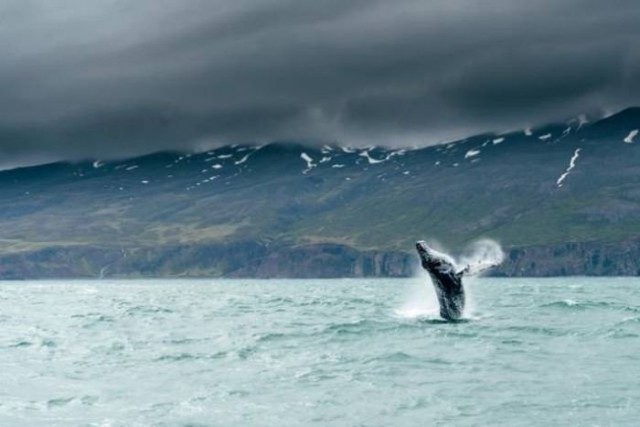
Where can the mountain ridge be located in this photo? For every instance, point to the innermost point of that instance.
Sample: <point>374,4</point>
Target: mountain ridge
<point>533,190</point>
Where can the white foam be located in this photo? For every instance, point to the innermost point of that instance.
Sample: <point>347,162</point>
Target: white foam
<point>572,164</point>
<point>98,164</point>
<point>545,136</point>
<point>631,136</point>
<point>337,166</point>
<point>528,132</point>
<point>497,141</point>
<point>217,166</point>
<point>481,255</point>
<point>420,300</point>
<point>130,168</point>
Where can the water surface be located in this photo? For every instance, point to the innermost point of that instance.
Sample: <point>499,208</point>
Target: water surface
<point>318,353</point>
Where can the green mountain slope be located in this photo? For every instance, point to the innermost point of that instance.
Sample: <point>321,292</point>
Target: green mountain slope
<point>287,209</point>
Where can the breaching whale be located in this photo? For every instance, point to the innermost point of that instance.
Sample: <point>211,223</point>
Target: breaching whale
<point>447,279</point>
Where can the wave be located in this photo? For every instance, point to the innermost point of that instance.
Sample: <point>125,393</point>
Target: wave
<point>147,309</point>
<point>538,329</point>
<point>357,327</point>
<point>570,304</point>
<point>190,356</point>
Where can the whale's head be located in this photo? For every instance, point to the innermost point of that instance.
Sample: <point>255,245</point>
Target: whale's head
<point>433,259</point>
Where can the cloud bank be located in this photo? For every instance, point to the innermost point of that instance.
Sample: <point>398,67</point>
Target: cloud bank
<point>111,78</point>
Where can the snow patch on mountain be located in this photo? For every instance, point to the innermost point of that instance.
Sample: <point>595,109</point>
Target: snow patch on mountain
<point>388,156</point>
<point>631,136</point>
<point>370,159</point>
<point>242,160</point>
<point>309,160</point>
<point>471,153</point>
<point>572,164</point>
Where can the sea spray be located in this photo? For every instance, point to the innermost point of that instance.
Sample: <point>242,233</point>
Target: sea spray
<point>481,255</point>
<point>421,300</point>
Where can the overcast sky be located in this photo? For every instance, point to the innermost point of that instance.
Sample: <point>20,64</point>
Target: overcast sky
<point>111,78</point>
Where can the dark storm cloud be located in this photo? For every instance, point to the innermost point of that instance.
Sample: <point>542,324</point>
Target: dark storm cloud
<point>110,78</point>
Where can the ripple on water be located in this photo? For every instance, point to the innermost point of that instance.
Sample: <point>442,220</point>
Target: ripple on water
<point>95,320</point>
<point>19,344</point>
<point>147,309</point>
<point>538,330</point>
<point>61,401</point>
<point>356,327</point>
<point>570,304</point>
<point>274,353</point>
<point>48,343</point>
<point>182,357</point>
<point>625,328</point>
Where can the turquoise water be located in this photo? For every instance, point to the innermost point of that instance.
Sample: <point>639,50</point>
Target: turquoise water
<point>531,352</point>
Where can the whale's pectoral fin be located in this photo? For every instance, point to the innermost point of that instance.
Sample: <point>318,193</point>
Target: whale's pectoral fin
<point>475,269</point>
<point>464,271</point>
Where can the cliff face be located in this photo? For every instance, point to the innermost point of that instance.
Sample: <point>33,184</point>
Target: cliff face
<point>239,259</point>
<point>590,258</point>
<point>289,210</point>
<point>261,260</point>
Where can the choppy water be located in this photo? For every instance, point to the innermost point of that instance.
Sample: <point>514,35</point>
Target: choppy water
<point>325,353</point>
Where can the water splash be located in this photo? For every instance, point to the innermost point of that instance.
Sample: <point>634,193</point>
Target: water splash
<point>482,255</point>
<point>420,300</point>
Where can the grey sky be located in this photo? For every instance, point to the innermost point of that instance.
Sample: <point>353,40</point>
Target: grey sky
<point>110,78</point>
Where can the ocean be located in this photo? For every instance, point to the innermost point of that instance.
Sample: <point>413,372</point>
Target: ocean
<point>530,352</point>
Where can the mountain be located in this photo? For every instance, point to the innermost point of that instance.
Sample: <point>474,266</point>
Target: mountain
<point>562,199</point>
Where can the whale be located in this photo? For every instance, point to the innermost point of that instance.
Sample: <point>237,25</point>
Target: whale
<point>446,279</point>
